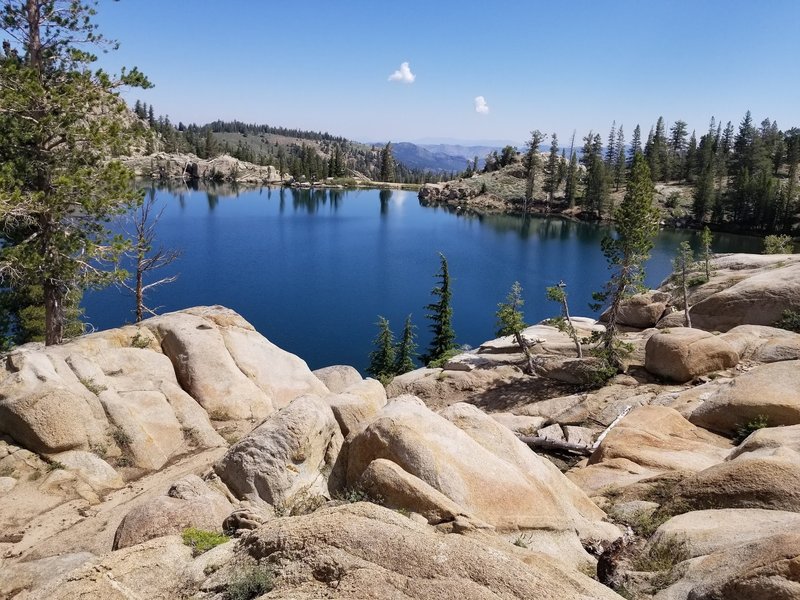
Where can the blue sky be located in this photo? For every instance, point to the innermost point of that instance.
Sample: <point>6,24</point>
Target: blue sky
<point>553,66</point>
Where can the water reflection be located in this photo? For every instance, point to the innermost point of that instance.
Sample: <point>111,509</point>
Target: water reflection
<point>385,196</point>
<point>213,200</point>
<point>311,200</point>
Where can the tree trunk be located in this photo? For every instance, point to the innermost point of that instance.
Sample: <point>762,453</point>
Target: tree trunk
<point>572,333</point>
<point>139,296</point>
<point>54,314</point>
<point>687,320</point>
<point>525,350</point>
<point>34,44</point>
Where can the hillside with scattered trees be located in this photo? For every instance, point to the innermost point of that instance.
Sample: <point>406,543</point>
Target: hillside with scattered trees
<point>305,155</point>
<point>741,178</point>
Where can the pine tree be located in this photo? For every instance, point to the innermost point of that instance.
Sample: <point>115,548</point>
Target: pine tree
<point>689,172</point>
<point>571,186</point>
<point>657,152</point>
<point>552,170</point>
<point>596,192</point>
<point>531,164</point>
<point>381,359</point>
<point>611,148</point>
<point>619,166</point>
<point>636,145</point>
<point>56,195</point>
<point>636,224</point>
<point>558,293</point>
<point>705,191</point>
<point>677,150</point>
<point>406,349</point>
<point>210,145</point>
<point>388,167</point>
<point>511,321</point>
<point>441,317</point>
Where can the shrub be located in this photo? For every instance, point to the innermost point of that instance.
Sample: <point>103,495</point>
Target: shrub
<point>250,583</point>
<point>54,465</point>
<point>696,280</point>
<point>742,431</point>
<point>202,541</point>
<point>778,244</point>
<point>790,320</point>
<point>122,439</point>
<point>140,341</point>
<point>357,494</point>
<point>662,556</point>
<point>521,541</point>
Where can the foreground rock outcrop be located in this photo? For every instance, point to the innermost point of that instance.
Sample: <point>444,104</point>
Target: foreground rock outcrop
<point>745,289</point>
<point>674,480</point>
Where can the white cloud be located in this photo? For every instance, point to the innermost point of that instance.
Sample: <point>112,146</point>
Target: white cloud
<point>403,74</point>
<point>481,106</point>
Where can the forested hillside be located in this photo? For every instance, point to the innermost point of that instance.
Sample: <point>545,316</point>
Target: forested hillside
<point>308,155</point>
<point>743,178</point>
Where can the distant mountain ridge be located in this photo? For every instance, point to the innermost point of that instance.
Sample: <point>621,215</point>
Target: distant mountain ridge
<point>439,157</point>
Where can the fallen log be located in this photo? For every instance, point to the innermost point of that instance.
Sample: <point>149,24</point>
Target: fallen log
<point>543,443</point>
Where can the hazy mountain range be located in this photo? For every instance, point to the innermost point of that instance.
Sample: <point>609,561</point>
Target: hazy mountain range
<point>440,157</point>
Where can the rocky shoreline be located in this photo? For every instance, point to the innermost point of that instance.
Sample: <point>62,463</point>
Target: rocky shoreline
<point>325,484</point>
<point>166,167</point>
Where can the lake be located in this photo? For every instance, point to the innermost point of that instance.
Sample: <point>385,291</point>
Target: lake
<point>313,269</point>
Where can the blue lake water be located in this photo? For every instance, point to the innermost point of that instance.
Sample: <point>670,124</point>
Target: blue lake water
<point>312,269</point>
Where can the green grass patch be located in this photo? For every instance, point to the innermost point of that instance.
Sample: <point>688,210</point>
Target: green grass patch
<point>202,541</point>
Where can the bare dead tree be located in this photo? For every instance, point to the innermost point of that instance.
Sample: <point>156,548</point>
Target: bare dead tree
<point>147,259</point>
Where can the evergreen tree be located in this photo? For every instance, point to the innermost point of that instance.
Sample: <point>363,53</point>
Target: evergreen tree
<point>657,153</point>
<point>571,185</point>
<point>381,359</point>
<point>508,155</point>
<point>558,293</point>
<point>511,321</point>
<point>677,150</point>
<point>636,144</point>
<point>596,193</point>
<point>406,349</point>
<point>441,316</point>
<point>689,172</point>
<point>531,164</point>
<point>387,164</point>
<point>57,195</point>
<point>611,148</point>
<point>210,145</point>
<point>619,165</point>
<point>636,224</point>
<point>552,170</point>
